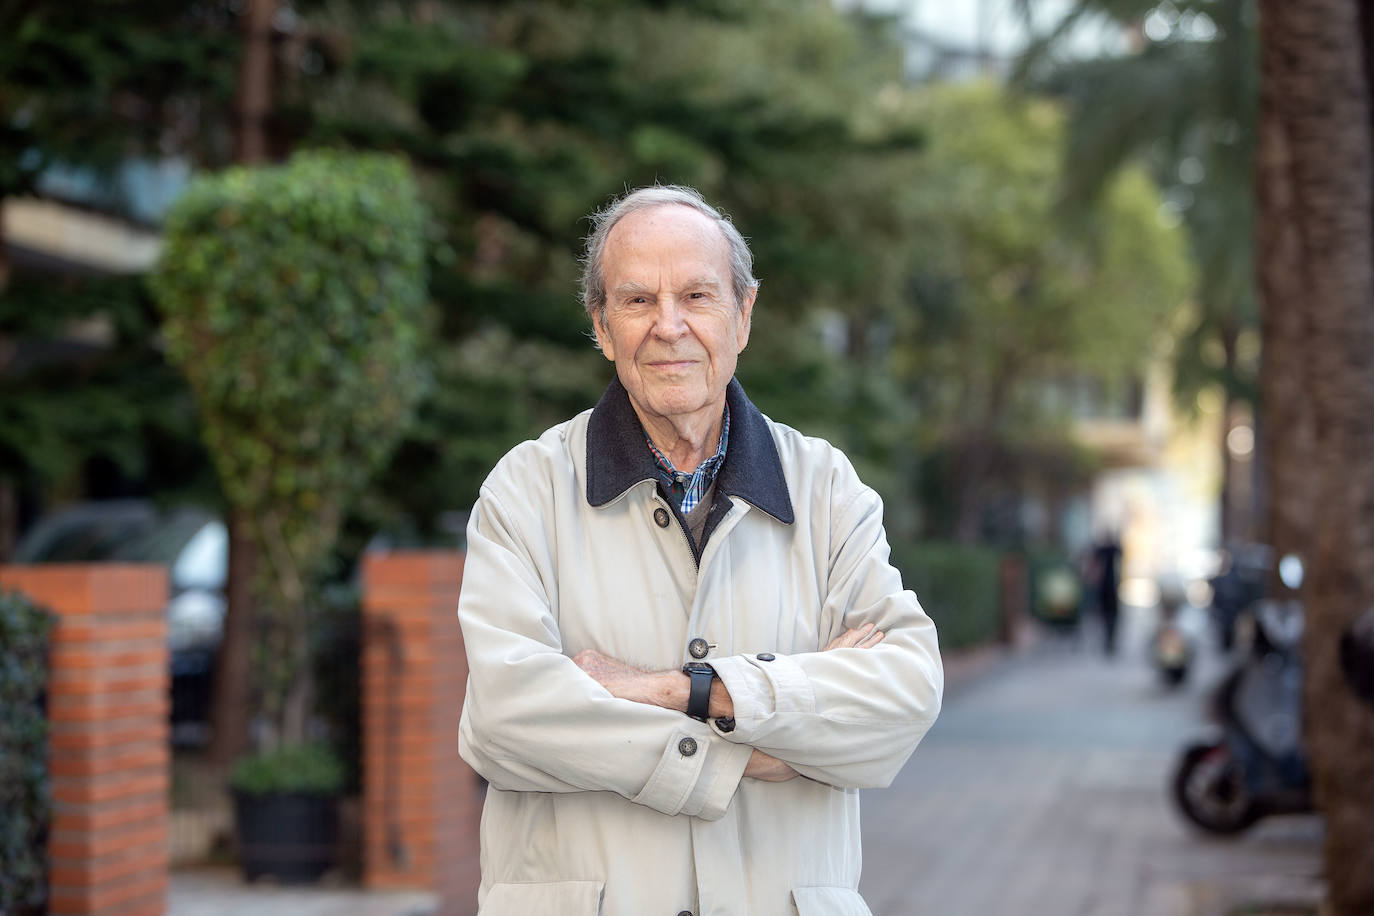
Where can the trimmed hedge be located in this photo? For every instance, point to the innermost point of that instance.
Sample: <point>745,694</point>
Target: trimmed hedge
<point>25,798</point>
<point>958,586</point>
<point>295,302</point>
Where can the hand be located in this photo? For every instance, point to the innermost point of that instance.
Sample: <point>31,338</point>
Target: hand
<point>768,768</point>
<point>864,637</point>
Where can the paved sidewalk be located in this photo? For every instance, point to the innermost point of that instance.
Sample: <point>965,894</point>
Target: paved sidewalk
<point>221,892</point>
<point>1043,791</point>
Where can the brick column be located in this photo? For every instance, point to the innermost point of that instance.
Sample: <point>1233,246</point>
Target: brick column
<point>108,740</point>
<point>421,802</point>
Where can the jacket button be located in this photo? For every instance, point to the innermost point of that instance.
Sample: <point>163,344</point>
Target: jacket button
<point>661,517</point>
<point>687,747</point>
<point>765,656</point>
<point>726,724</point>
<point>699,648</point>
<point>685,913</point>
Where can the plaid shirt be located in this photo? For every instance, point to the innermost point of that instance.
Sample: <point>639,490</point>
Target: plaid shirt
<point>688,489</point>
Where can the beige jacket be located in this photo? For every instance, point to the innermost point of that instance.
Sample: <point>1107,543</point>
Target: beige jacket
<point>599,805</point>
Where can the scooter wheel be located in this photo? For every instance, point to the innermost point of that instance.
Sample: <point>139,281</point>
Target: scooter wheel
<point>1210,789</point>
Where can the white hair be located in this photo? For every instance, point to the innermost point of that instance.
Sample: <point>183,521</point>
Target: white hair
<point>742,280</point>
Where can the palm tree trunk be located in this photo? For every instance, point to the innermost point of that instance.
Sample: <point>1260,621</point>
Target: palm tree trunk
<point>1285,389</point>
<point>1318,211</point>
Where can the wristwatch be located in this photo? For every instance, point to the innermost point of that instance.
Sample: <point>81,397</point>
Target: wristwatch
<point>699,699</point>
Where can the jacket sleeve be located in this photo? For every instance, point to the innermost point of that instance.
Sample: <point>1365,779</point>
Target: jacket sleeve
<point>533,721</point>
<point>847,717</point>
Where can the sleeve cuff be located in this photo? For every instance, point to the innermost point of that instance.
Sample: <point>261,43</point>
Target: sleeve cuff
<point>697,774</point>
<point>720,778</point>
<point>761,686</point>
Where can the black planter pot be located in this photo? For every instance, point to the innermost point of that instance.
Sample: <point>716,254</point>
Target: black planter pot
<point>288,836</point>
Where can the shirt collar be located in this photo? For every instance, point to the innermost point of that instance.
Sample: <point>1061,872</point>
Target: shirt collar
<point>666,466</point>
<point>617,458</point>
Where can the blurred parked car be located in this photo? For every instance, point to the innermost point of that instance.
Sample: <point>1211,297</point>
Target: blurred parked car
<point>194,546</point>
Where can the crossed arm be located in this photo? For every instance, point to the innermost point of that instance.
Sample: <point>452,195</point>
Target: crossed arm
<point>670,689</point>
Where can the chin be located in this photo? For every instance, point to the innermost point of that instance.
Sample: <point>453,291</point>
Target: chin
<point>673,403</point>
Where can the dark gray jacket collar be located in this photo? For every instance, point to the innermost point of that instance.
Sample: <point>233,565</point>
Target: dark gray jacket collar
<point>618,458</point>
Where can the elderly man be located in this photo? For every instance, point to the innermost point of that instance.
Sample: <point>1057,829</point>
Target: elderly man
<point>688,651</point>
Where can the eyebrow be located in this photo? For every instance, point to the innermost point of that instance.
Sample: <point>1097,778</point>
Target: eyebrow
<point>630,289</point>
<point>702,283</point>
<point>633,288</point>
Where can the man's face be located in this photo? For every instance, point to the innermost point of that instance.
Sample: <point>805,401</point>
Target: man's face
<point>671,326</point>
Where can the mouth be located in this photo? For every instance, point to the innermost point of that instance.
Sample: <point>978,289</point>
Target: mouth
<point>672,365</point>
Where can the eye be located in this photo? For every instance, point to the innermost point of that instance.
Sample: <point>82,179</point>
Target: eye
<point>696,295</point>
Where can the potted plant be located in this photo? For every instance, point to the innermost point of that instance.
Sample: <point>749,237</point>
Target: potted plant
<point>286,810</point>
<point>294,301</point>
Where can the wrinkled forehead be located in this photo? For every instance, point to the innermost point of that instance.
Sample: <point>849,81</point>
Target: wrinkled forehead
<point>674,233</point>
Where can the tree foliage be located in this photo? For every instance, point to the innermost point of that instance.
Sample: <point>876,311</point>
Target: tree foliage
<point>1182,101</point>
<point>1011,294</point>
<point>93,83</point>
<point>1183,104</point>
<point>523,118</point>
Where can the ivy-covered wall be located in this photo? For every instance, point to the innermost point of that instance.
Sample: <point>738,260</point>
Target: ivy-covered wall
<point>25,797</point>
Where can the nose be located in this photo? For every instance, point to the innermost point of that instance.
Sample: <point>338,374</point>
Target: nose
<point>668,319</point>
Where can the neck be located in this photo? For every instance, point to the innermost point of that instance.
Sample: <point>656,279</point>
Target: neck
<point>687,440</point>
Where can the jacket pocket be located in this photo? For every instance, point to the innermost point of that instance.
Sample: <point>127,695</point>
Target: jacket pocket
<point>566,898</point>
<point>829,901</point>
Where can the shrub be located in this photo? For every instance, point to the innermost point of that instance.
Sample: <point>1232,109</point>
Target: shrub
<point>24,792</point>
<point>306,768</point>
<point>958,586</point>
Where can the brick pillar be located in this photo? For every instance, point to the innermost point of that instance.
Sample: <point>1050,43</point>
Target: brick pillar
<point>421,802</point>
<point>108,740</point>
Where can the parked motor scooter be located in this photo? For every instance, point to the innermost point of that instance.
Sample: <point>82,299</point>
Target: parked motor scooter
<point>1171,646</point>
<point>1254,764</point>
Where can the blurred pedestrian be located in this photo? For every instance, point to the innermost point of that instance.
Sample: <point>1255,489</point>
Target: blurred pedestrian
<point>1106,566</point>
<point>675,523</point>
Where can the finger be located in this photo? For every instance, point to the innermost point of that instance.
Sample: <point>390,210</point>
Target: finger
<point>872,639</point>
<point>849,638</point>
<point>857,635</point>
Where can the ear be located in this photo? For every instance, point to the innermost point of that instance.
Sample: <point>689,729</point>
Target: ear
<point>746,315</point>
<point>603,335</point>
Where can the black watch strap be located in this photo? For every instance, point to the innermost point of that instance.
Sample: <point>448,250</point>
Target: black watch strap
<point>699,699</point>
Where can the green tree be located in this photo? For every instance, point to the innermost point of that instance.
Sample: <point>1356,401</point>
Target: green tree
<point>1010,295</point>
<point>522,118</point>
<point>1182,102</point>
<point>295,304</point>
<point>84,87</point>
